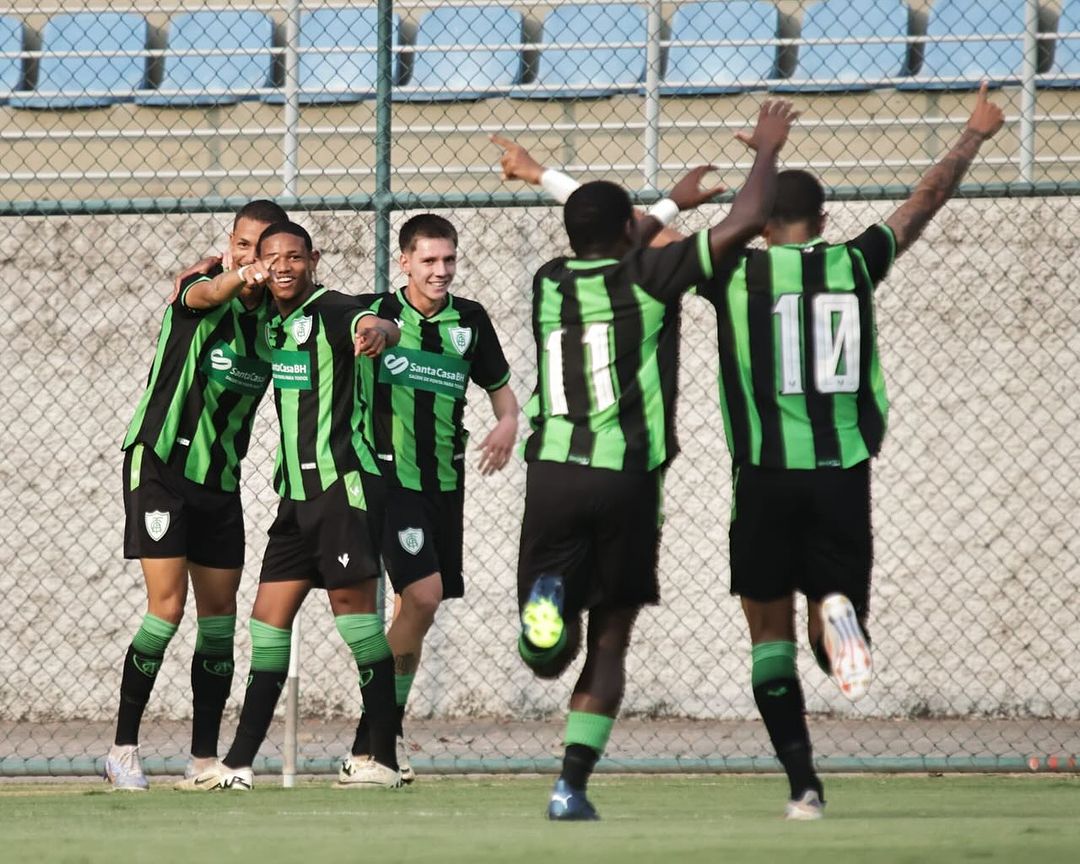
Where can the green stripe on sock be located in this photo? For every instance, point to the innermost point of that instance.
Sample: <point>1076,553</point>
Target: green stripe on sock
<point>215,635</point>
<point>269,647</point>
<point>536,656</point>
<point>772,660</point>
<point>402,686</point>
<point>365,637</point>
<point>592,730</point>
<point>153,636</point>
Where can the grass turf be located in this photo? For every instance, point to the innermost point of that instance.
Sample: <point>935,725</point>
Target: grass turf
<point>686,819</point>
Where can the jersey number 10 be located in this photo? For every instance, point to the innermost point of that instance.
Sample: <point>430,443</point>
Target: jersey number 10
<point>834,323</point>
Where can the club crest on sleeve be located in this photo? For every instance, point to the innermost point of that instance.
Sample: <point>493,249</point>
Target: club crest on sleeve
<point>301,329</point>
<point>411,540</point>
<point>461,338</point>
<point>157,523</point>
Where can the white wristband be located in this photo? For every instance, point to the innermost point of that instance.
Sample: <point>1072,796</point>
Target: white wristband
<point>664,211</point>
<point>240,272</point>
<point>558,185</point>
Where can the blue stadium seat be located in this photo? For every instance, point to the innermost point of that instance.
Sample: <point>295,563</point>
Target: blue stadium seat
<point>11,41</point>
<point>694,71</point>
<point>234,77</point>
<point>568,73</point>
<point>64,81</point>
<point>1066,67</point>
<point>952,65</point>
<point>825,68</point>
<point>341,76</point>
<point>472,73</point>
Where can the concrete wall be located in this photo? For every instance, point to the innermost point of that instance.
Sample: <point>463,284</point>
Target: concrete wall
<point>977,492</point>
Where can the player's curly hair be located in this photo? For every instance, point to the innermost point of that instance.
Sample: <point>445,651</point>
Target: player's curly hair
<point>800,197</point>
<point>595,216</point>
<point>284,228</point>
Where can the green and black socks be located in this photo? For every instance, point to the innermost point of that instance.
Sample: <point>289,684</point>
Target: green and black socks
<point>366,638</point>
<point>586,737</point>
<point>211,680</point>
<point>779,698</point>
<point>269,668</point>
<point>141,667</point>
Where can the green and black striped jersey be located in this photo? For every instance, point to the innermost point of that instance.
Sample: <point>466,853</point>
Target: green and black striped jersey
<point>800,381</point>
<point>210,370</point>
<point>318,393</point>
<point>419,404</point>
<point>607,346</point>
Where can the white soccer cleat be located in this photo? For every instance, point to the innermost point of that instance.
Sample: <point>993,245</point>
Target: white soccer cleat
<point>123,769</point>
<point>849,655</point>
<point>363,772</point>
<point>196,768</point>
<point>218,776</point>
<point>406,769</point>
<point>805,809</point>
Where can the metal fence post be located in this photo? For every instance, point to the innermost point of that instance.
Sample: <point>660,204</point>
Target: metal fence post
<point>652,96</point>
<point>290,145</point>
<point>1027,100</point>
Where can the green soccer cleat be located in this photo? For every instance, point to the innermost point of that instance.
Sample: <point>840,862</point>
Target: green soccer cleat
<point>542,623</point>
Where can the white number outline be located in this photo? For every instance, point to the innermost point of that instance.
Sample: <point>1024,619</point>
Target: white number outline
<point>831,345</point>
<point>598,359</point>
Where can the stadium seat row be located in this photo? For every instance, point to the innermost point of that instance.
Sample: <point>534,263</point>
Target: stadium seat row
<point>473,52</point>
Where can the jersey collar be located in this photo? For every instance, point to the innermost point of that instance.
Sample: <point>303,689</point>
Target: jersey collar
<point>299,310</point>
<point>589,263</point>
<point>809,244</point>
<point>405,304</point>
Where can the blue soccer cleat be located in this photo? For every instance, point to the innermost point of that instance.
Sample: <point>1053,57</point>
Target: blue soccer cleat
<point>542,623</point>
<point>568,804</point>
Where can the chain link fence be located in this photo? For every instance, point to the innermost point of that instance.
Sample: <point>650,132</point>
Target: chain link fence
<point>130,131</point>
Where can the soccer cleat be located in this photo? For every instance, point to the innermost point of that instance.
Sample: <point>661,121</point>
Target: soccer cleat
<point>541,617</point>
<point>849,654</point>
<point>568,804</point>
<point>805,809</point>
<point>406,769</point>
<point>217,776</point>
<point>123,769</point>
<point>194,768</point>
<point>363,772</point>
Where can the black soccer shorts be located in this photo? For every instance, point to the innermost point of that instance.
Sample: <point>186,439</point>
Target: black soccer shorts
<point>599,529</point>
<point>166,515</point>
<point>802,530</point>
<point>328,540</point>
<point>423,534</point>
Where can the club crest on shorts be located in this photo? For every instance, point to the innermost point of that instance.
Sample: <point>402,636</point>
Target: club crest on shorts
<point>157,523</point>
<point>460,338</point>
<point>411,540</point>
<point>301,329</point>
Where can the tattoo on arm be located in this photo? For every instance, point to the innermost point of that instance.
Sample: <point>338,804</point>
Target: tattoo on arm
<point>935,188</point>
<point>406,664</point>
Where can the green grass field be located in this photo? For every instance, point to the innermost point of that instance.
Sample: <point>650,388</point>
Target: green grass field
<point>654,819</point>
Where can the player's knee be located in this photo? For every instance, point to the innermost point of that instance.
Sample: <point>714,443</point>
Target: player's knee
<point>169,609</point>
<point>421,600</point>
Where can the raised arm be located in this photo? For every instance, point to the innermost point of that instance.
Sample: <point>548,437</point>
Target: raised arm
<point>939,183</point>
<point>208,293</point>
<point>373,335</point>
<point>752,206</point>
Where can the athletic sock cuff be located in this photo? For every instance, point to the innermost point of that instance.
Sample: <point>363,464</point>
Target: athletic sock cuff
<point>365,637</point>
<point>402,686</point>
<point>269,647</point>
<point>592,730</point>
<point>153,636</point>
<point>772,661</point>
<point>214,635</point>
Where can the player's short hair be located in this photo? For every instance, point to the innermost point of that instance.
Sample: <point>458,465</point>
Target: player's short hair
<point>426,225</point>
<point>800,197</point>
<point>261,210</point>
<point>285,227</point>
<point>595,215</point>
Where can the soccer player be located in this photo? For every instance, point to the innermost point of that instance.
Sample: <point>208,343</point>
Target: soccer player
<point>805,408</point>
<point>605,323</point>
<point>183,516</point>
<point>327,477</point>
<point>420,437</point>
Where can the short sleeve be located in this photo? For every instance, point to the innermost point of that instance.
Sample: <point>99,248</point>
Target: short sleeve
<point>713,288</point>
<point>670,271</point>
<point>489,367</point>
<point>876,247</point>
<point>180,303</point>
<point>340,315</point>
